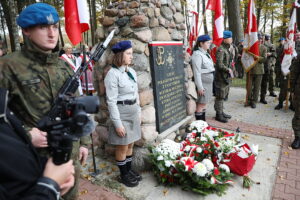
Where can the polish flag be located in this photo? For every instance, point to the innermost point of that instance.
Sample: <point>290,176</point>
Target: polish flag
<point>216,6</point>
<point>193,31</point>
<point>76,19</point>
<point>289,46</point>
<point>251,44</point>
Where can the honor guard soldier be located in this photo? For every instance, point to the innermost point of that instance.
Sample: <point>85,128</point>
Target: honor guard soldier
<point>34,75</point>
<point>223,76</point>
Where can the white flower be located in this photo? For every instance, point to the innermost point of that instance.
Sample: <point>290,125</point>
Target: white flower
<point>168,163</point>
<point>208,164</point>
<point>199,125</point>
<point>203,139</point>
<point>187,148</point>
<point>224,167</point>
<point>160,157</point>
<point>192,140</point>
<point>210,133</point>
<point>213,180</point>
<point>200,169</point>
<point>199,150</point>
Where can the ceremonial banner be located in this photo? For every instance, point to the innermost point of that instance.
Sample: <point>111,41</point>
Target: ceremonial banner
<point>216,6</point>
<point>193,31</point>
<point>251,45</point>
<point>289,46</point>
<point>76,19</point>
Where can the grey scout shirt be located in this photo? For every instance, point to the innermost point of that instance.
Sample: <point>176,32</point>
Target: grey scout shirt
<point>119,87</point>
<point>202,63</point>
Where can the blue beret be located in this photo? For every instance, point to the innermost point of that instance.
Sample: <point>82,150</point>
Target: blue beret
<point>259,36</point>
<point>227,34</point>
<point>37,14</point>
<point>121,46</point>
<point>281,39</point>
<point>267,37</point>
<point>203,38</point>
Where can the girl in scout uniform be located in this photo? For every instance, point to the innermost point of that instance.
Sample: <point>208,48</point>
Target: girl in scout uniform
<point>203,68</point>
<point>123,104</point>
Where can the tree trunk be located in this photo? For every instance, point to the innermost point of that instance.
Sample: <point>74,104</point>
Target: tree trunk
<point>94,21</point>
<point>246,15</point>
<point>204,17</point>
<point>225,17</point>
<point>234,19</point>
<point>15,29</point>
<point>285,15</point>
<point>3,28</point>
<point>258,9</point>
<point>272,25</point>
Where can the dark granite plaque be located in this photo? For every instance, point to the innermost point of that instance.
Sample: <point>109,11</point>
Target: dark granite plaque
<point>166,60</point>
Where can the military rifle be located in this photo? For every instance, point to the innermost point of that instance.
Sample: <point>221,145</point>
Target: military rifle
<point>67,119</point>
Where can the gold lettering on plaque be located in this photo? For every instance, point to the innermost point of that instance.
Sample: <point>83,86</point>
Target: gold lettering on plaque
<point>160,60</point>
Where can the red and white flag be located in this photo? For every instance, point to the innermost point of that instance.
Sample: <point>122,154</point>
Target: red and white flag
<point>251,44</point>
<point>193,31</point>
<point>289,46</point>
<point>76,19</point>
<point>216,6</point>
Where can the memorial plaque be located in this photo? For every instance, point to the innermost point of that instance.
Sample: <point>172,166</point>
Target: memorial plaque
<point>166,60</point>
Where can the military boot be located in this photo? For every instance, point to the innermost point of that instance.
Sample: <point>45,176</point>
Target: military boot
<point>263,101</point>
<point>220,117</point>
<point>272,94</point>
<point>279,106</point>
<point>204,118</point>
<point>291,107</point>
<point>296,143</point>
<point>129,180</point>
<point>226,115</point>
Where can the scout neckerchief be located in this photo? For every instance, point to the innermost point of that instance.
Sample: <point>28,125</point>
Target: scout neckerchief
<point>128,72</point>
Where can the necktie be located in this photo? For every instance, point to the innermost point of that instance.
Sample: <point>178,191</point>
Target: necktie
<point>130,75</point>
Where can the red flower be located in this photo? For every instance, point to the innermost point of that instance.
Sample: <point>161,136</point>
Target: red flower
<point>216,144</point>
<point>189,163</point>
<point>216,171</point>
<point>206,151</point>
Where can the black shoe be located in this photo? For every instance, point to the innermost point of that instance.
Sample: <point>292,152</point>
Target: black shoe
<point>253,105</point>
<point>199,116</point>
<point>291,107</point>
<point>129,180</point>
<point>296,143</point>
<point>135,174</point>
<point>221,118</point>
<point>226,115</point>
<point>279,106</point>
<point>263,101</point>
<point>272,94</point>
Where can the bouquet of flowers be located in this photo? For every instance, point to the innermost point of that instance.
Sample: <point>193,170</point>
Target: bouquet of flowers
<point>204,162</point>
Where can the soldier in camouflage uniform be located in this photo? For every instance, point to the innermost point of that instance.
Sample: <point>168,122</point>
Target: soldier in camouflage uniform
<point>223,76</point>
<point>34,76</point>
<point>279,57</point>
<point>267,78</point>
<point>295,90</point>
<point>284,85</point>
<point>256,74</point>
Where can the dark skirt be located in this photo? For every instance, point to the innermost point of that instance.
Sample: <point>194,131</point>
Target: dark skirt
<point>130,118</point>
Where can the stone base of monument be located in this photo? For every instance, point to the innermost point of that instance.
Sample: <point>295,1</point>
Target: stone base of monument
<point>263,172</point>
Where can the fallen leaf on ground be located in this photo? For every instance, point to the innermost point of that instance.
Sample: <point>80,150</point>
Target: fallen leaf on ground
<point>268,159</point>
<point>165,192</point>
<point>290,148</point>
<point>102,165</point>
<point>286,153</point>
<point>85,191</point>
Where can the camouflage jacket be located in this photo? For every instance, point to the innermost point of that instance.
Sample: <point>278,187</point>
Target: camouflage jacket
<point>295,77</point>
<point>271,59</point>
<point>258,68</point>
<point>33,79</point>
<point>223,61</point>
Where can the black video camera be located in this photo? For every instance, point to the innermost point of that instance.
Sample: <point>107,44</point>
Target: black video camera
<point>73,123</point>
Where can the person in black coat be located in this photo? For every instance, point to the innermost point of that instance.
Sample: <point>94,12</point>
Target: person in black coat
<point>24,175</point>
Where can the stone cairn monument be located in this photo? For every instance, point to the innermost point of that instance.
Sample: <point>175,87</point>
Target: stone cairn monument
<point>142,22</point>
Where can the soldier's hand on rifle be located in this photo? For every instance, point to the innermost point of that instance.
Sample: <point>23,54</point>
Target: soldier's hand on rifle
<point>121,131</point>
<point>83,154</point>
<point>38,138</point>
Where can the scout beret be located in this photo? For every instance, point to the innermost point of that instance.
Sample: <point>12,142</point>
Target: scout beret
<point>121,46</point>
<point>37,14</point>
<point>281,39</point>
<point>227,34</point>
<point>203,38</point>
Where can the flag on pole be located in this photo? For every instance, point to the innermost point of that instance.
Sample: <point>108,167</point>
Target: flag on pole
<point>76,19</point>
<point>289,46</point>
<point>251,45</point>
<point>193,31</point>
<point>216,6</point>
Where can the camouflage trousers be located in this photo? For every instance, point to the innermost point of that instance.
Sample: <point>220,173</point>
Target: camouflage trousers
<point>264,85</point>
<point>296,119</point>
<point>271,81</point>
<point>283,89</point>
<point>221,92</point>
<point>255,87</point>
